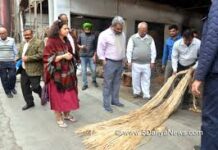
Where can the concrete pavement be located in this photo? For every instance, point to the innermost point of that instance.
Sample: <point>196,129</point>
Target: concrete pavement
<point>36,129</point>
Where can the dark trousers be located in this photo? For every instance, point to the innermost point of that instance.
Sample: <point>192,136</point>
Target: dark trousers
<point>8,76</point>
<point>29,84</point>
<point>209,140</point>
<point>187,95</point>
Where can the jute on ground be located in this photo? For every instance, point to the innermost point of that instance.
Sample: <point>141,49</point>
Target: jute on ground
<point>123,133</point>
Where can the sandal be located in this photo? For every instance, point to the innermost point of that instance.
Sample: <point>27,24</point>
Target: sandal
<point>61,124</point>
<point>70,118</point>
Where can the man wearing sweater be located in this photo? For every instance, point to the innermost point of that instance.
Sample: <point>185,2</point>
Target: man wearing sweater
<point>141,55</point>
<point>8,52</point>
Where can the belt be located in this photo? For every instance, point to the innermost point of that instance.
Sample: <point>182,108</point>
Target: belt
<point>114,60</point>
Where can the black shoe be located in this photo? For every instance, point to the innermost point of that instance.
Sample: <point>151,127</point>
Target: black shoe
<point>136,96</point>
<point>196,147</point>
<point>95,84</point>
<point>9,95</point>
<point>85,87</point>
<point>28,106</point>
<point>118,104</point>
<point>14,91</point>
<point>109,110</point>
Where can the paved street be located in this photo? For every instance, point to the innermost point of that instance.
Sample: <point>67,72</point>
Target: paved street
<point>36,129</point>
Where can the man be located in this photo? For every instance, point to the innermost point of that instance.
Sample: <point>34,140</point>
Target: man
<point>184,56</point>
<point>87,42</point>
<point>31,54</point>
<point>167,52</point>
<point>72,40</point>
<point>207,73</point>
<point>8,52</point>
<point>111,50</point>
<point>141,55</point>
<point>64,18</point>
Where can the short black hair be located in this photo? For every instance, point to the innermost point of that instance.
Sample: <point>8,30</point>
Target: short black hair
<point>173,27</point>
<point>188,34</point>
<point>28,29</point>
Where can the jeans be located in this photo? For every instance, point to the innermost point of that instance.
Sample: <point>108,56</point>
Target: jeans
<point>8,76</point>
<point>88,62</point>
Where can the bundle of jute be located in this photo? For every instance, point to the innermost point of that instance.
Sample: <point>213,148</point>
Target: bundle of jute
<point>125,132</point>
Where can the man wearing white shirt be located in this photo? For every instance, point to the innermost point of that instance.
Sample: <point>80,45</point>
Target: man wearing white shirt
<point>184,56</point>
<point>32,66</point>
<point>185,52</point>
<point>141,55</point>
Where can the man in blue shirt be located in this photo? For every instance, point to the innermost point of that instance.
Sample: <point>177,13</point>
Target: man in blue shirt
<point>167,52</point>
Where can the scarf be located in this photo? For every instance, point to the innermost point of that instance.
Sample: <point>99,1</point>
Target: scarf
<point>62,72</point>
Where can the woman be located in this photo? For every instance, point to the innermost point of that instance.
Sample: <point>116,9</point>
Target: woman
<point>59,73</point>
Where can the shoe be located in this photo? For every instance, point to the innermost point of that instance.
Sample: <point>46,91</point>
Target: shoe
<point>118,104</point>
<point>146,98</point>
<point>14,91</point>
<point>109,110</point>
<point>95,84</point>
<point>85,87</point>
<point>28,106</point>
<point>9,95</point>
<point>136,96</point>
<point>61,124</point>
<point>196,147</point>
<point>70,118</point>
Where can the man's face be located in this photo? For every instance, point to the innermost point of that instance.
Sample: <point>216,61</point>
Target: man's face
<point>142,31</point>
<point>118,28</point>
<point>188,41</point>
<point>64,19</point>
<point>28,35</point>
<point>3,33</point>
<point>87,31</point>
<point>173,32</point>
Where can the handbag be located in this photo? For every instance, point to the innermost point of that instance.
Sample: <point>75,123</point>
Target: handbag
<point>45,95</point>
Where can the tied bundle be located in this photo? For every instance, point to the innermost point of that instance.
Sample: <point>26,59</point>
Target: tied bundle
<point>150,117</point>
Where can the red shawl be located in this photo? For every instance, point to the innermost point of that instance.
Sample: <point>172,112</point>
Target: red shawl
<point>63,72</point>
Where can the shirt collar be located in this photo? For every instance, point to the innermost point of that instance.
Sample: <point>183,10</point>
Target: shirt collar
<point>193,42</point>
<point>28,41</point>
<point>7,39</point>
<point>177,38</point>
<point>138,36</point>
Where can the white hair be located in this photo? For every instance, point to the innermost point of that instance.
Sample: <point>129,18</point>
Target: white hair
<point>118,20</point>
<point>142,25</point>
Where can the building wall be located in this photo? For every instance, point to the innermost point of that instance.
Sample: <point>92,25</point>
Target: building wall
<point>131,11</point>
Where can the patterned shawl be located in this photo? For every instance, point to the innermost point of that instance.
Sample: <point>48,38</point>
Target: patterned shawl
<point>62,72</point>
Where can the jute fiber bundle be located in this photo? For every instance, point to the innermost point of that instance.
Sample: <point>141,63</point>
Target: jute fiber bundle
<point>125,132</point>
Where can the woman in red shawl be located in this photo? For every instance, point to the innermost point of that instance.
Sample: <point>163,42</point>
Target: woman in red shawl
<point>59,73</point>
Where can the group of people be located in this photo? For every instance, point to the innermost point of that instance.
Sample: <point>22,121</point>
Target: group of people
<point>57,62</point>
<point>61,53</point>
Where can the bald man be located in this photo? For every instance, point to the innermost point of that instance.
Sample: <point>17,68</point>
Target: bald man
<point>141,55</point>
<point>8,52</point>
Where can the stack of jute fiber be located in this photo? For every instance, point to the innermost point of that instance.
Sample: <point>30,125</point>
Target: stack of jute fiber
<point>123,133</point>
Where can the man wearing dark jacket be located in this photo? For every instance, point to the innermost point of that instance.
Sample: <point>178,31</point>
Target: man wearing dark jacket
<point>207,72</point>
